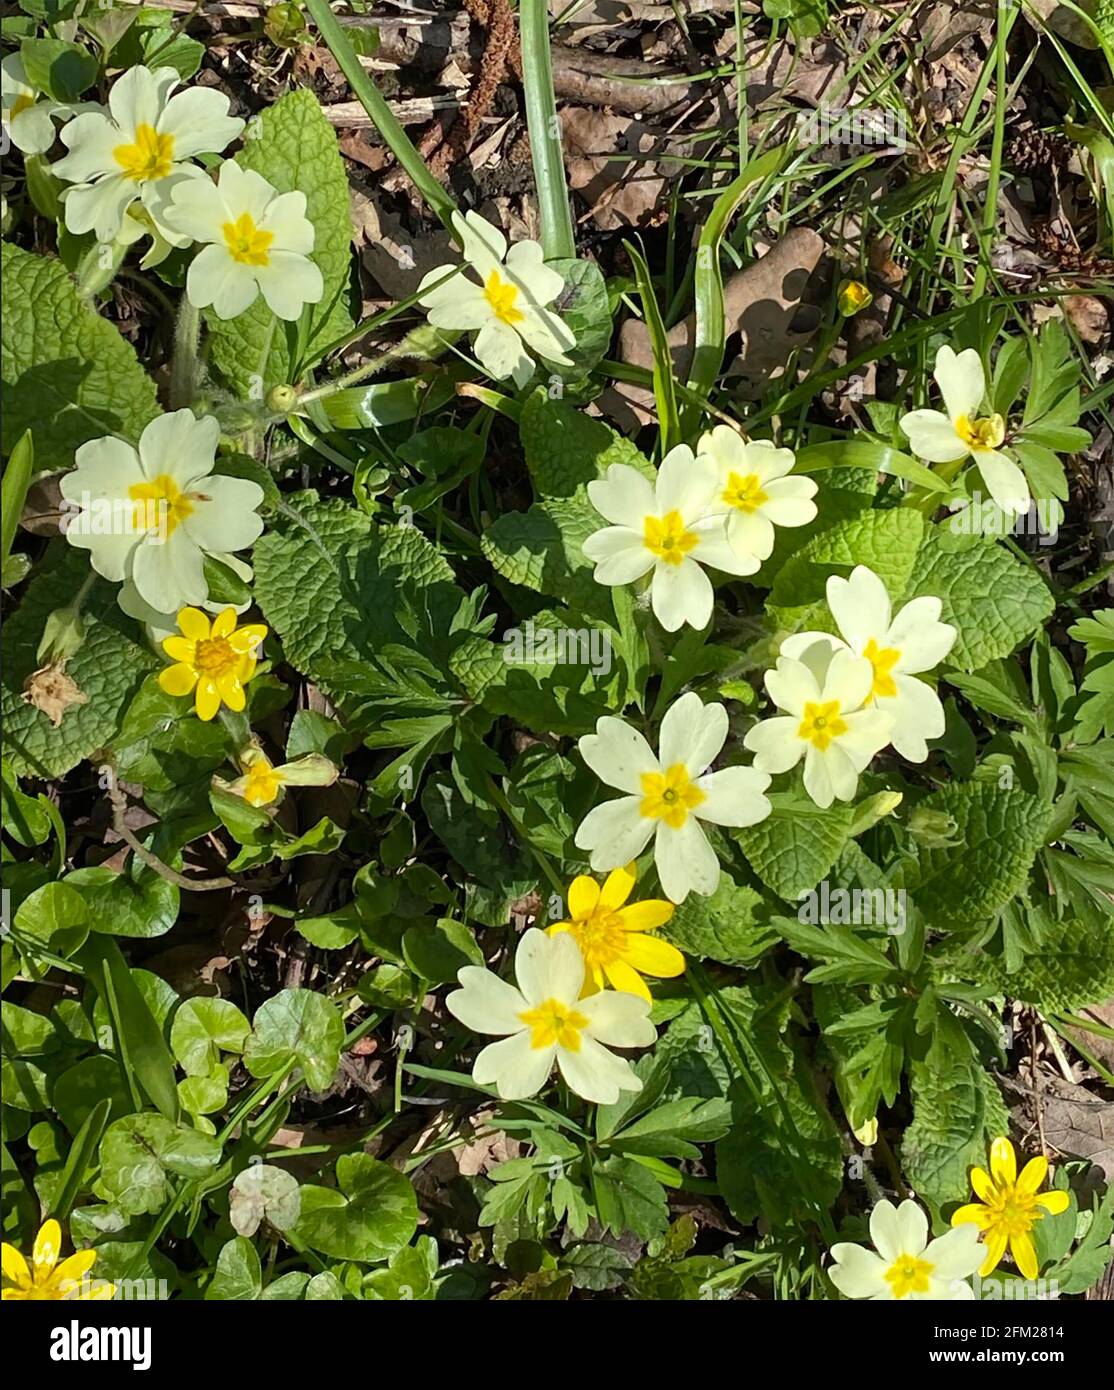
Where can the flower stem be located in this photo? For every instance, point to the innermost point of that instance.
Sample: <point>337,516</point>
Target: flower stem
<point>183,366</point>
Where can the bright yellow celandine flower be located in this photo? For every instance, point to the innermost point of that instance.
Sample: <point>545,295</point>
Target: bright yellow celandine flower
<point>216,659</point>
<point>613,938</point>
<point>1009,1207</point>
<point>45,1278</point>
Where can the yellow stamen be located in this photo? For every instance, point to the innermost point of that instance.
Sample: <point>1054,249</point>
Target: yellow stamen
<point>746,493</point>
<point>987,433</point>
<point>554,1022</point>
<point>821,724</point>
<point>503,298</point>
<point>160,503</point>
<point>883,659</point>
<point>215,657</point>
<point>246,243</point>
<point>666,537</point>
<point>909,1275</point>
<point>670,796</point>
<point>149,158</point>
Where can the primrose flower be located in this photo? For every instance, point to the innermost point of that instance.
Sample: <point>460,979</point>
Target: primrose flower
<point>545,1020</point>
<point>614,938</point>
<point>256,241</point>
<point>508,309</point>
<point>1008,1208</point>
<point>896,646</point>
<point>137,150</point>
<point>668,795</point>
<point>664,527</point>
<point>45,1279</point>
<point>262,782</point>
<point>950,437</point>
<point>907,1264</point>
<point>150,515</point>
<point>213,660</point>
<point>24,113</point>
<point>752,489</point>
<point>826,722</point>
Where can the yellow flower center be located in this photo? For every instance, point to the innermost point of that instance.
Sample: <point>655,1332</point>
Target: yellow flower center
<point>981,434</point>
<point>214,657</point>
<point>821,724</point>
<point>159,504</point>
<point>554,1022</point>
<point>669,795</point>
<point>883,659</point>
<point>246,243</point>
<point>1015,1213</point>
<point>149,158</point>
<point>261,784</point>
<point>746,493</point>
<point>503,298</point>
<point>601,938</point>
<point>666,537</point>
<point>909,1275</point>
<point>22,103</point>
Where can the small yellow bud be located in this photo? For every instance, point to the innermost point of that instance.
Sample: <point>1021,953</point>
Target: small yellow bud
<point>853,297</point>
<point>282,399</point>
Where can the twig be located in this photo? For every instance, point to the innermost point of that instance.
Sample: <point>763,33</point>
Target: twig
<point>119,808</point>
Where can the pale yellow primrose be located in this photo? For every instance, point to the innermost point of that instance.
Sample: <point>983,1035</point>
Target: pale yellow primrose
<point>665,527</point>
<point>904,1264</point>
<point>827,722</point>
<point>897,647</point>
<point>137,150</point>
<point>255,241</point>
<point>150,515</point>
<point>950,437</point>
<point>755,492</point>
<point>667,795</point>
<point>508,310</point>
<point>544,1020</point>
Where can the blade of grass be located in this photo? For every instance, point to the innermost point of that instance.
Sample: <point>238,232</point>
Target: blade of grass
<point>80,1158</point>
<point>13,492</point>
<point>558,241</point>
<point>384,119</point>
<point>711,327</point>
<point>665,392</point>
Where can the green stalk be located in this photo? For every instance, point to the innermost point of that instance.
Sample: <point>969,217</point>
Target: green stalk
<point>98,267</point>
<point>1003,24</point>
<point>183,366</point>
<point>558,241</point>
<point>384,119</point>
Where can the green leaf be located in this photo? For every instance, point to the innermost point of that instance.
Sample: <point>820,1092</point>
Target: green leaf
<point>329,586</point>
<point>68,375</point>
<point>139,1155</point>
<point>300,1026</point>
<point>17,478</point>
<point>884,541</point>
<point>997,834</point>
<point>369,1215</point>
<point>585,307</point>
<point>956,1108</point>
<point>994,600</point>
<point>565,448</point>
<point>729,926</point>
<point>1069,972</point>
<point>55,917</point>
<point>107,668</point>
<point>136,1033</point>
<point>137,902</point>
<point>202,1029</point>
<point>61,70</point>
<point>294,148</point>
<point>435,951</point>
<point>541,549</point>
<point>629,1199</point>
<point>239,1275</point>
<point>263,1192</point>
<point>796,845</point>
